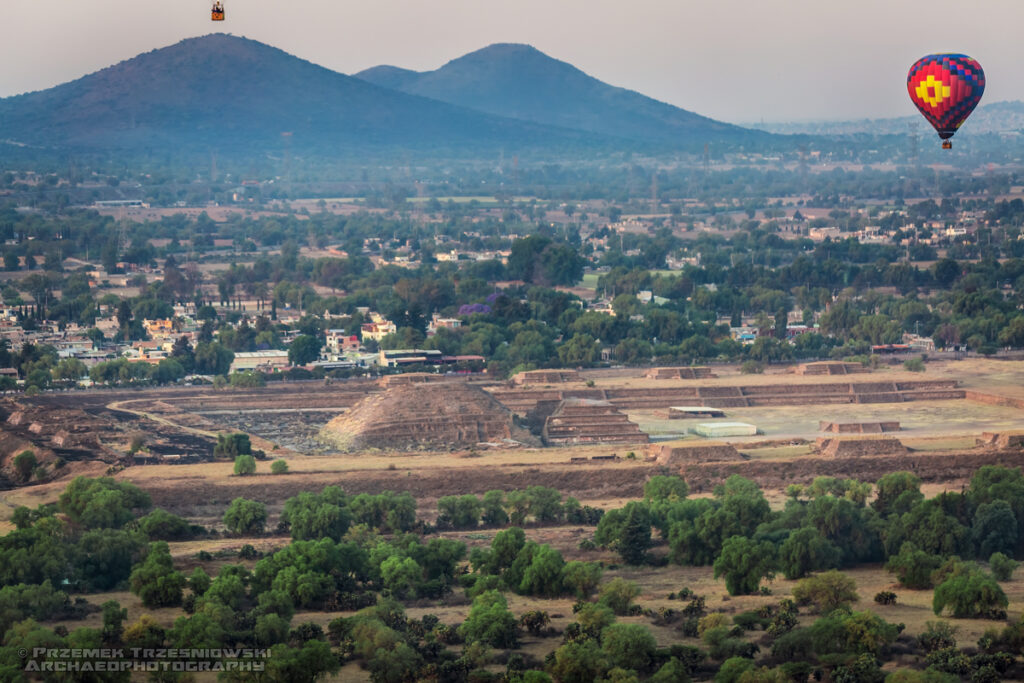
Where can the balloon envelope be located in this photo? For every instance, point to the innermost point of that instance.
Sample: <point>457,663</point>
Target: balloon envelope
<point>946,88</point>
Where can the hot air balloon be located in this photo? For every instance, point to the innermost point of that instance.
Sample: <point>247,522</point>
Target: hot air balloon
<point>946,88</point>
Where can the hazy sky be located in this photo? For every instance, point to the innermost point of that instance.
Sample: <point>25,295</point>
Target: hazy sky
<point>736,60</point>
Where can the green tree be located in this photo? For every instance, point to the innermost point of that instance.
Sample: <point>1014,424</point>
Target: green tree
<point>545,504</point>
<point>490,622</point>
<point>1002,566</point>
<point>315,516</point>
<point>279,466</point>
<point>24,463</point>
<point>665,488</point>
<point>635,537</point>
<point>245,465</point>
<point>199,581</point>
<point>629,646</point>
<point>493,509</point>
<point>897,493</point>
<point>160,525</point>
<point>733,670</point>
<point>245,517</point>
<point>744,562</point>
<point>113,622</point>
<point>579,661</point>
<point>232,445</point>
<point>806,551</point>
<point>995,528</point>
<point>582,578</point>
<point>305,664</point>
<point>971,594</point>
<point>458,512</point>
<point>304,349</point>
<point>913,567</point>
<point>213,359</point>
<point>618,595</point>
<point>155,580</point>
<point>102,502</point>
<point>400,575</point>
<point>543,576</point>
<point>103,558</point>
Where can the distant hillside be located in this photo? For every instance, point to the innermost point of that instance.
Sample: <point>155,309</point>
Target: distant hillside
<point>238,96</point>
<point>998,117</point>
<point>521,82</point>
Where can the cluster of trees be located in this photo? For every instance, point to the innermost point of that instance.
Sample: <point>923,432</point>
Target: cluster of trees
<point>369,553</point>
<point>927,543</point>
<point>540,504</point>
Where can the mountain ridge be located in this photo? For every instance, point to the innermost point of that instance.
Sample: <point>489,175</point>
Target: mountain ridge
<point>519,81</point>
<point>230,92</point>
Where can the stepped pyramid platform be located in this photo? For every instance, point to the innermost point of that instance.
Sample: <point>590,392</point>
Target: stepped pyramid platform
<point>576,420</point>
<point>522,400</point>
<point>839,447</point>
<point>829,367</point>
<point>680,373</point>
<point>425,416</point>
<point>545,377</point>
<point>689,452</point>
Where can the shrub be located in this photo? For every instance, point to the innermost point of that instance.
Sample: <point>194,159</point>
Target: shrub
<point>913,365</point>
<point>279,467</point>
<point>245,465</point>
<point>752,367</point>
<point>885,598</point>
<point>937,635</point>
<point>826,591</point>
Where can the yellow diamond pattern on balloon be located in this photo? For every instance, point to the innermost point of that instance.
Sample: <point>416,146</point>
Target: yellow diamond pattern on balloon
<point>932,91</point>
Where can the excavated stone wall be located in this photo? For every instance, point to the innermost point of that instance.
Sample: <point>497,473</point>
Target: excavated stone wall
<point>1001,440</point>
<point>859,427</point>
<point>411,378</point>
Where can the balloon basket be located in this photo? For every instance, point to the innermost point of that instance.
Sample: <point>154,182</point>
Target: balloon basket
<point>946,144</point>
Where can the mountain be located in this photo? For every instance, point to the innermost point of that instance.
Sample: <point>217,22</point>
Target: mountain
<point>998,117</point>
<point>237,96</point>
<point>521,82</point>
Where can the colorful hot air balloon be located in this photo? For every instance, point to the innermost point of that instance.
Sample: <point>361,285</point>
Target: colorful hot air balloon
<point>946,88</point>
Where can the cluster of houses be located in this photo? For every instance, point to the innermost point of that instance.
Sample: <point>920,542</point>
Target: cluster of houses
<point>339,348</point>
